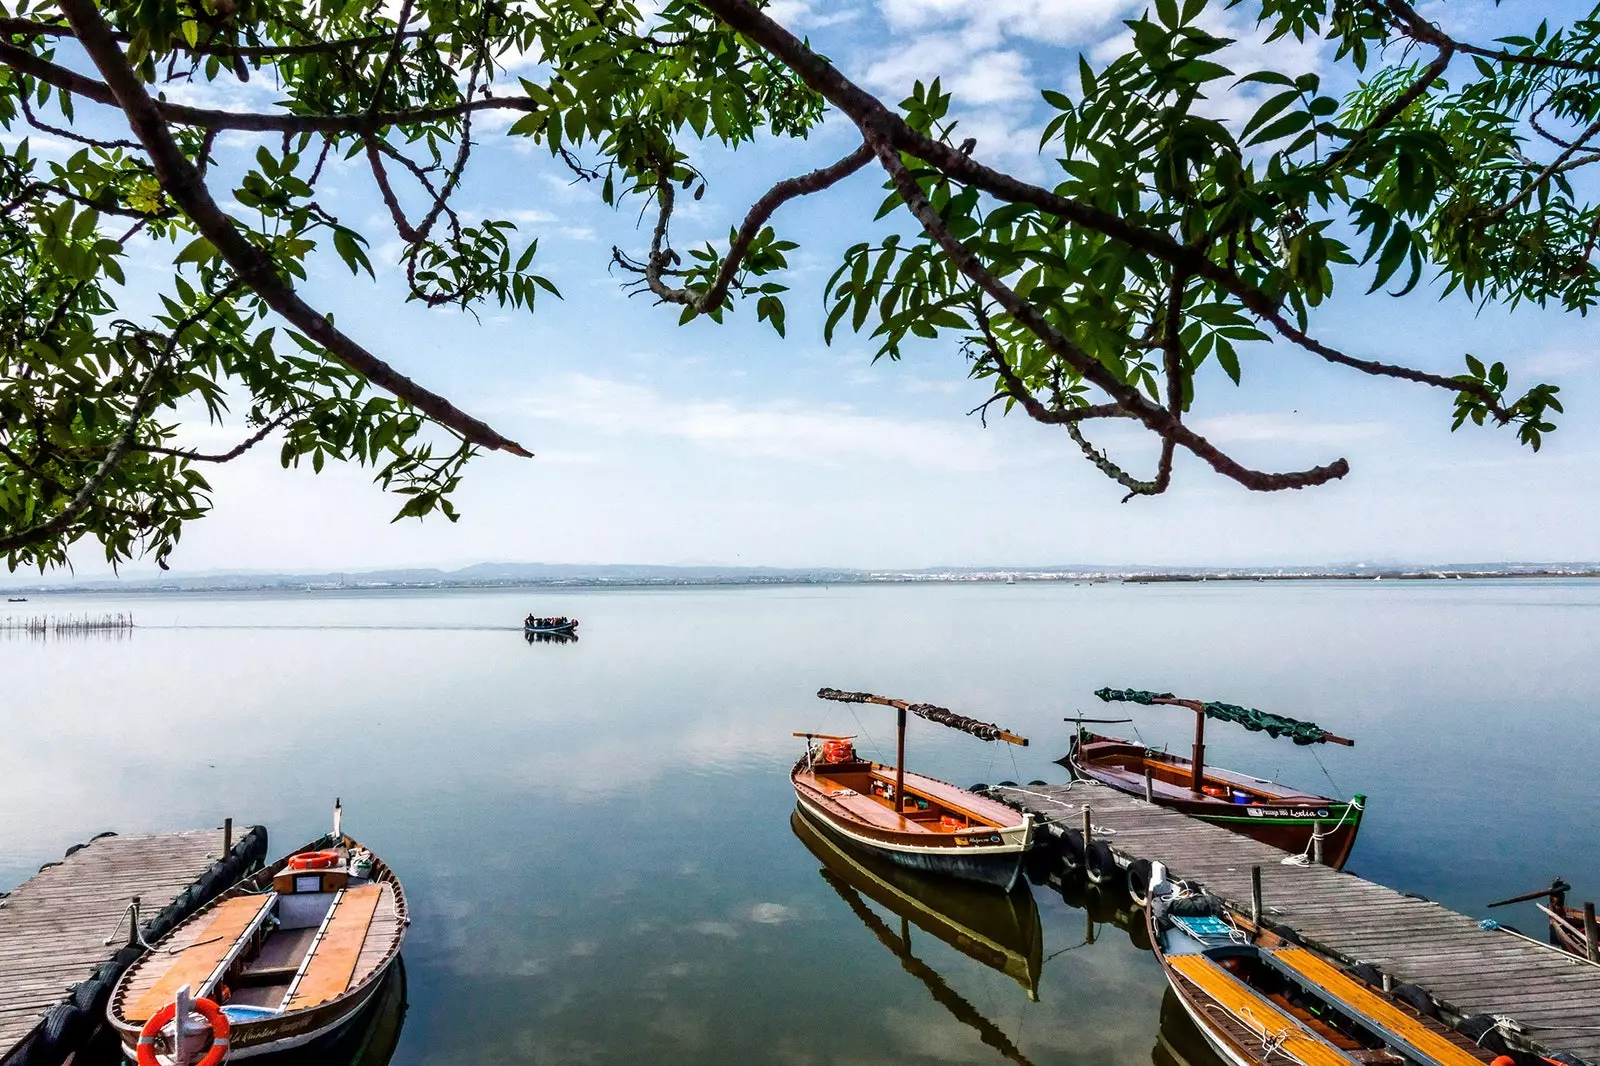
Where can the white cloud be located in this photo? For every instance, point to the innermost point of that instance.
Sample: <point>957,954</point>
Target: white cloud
<point>1055,21</point>
<point>986,76</point>
<point>1285,429</point>
<point>783,430</point>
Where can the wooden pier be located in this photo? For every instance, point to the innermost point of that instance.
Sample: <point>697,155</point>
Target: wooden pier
<point>55,928</point>
<point>1553,996</point>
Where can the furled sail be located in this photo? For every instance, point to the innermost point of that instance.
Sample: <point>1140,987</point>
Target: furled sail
<point>1274,725</point>
<point>941,715</point>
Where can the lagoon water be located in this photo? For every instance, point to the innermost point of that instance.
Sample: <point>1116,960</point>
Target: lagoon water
<point>595,836</point>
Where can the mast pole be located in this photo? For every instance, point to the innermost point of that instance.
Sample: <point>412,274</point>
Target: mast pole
<point>1197,780</point>
<point>900,764</point>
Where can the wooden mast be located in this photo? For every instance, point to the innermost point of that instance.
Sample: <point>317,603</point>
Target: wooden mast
<point>900,764</point>
<point>1197,779</point>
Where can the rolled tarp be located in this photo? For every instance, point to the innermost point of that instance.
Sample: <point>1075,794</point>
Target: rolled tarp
<point>1274,725</point>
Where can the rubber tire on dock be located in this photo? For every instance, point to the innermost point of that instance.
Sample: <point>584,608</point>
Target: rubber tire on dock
<point>1072,850</point>
<point>1139,881</point>
<point>1417,998</point>
<point>59,1035</point>
<point>1099,864</point>
<point>1482,1030</point>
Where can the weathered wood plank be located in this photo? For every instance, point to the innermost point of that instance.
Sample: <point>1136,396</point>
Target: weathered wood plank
<point>1471,970</point>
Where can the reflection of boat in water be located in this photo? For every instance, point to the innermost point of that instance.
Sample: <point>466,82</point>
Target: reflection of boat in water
<point>1178,1042</point>
<point>549,636</point>
<point>999,929</point>
<point>851,878</point>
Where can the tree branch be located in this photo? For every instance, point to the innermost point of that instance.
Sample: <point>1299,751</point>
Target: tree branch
<point>232,453</point>
<point>774,198</point>
<point>178,177</point>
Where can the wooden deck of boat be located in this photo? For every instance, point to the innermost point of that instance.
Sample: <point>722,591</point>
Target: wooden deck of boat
<point>1554,995</point>
<point>53,927</point>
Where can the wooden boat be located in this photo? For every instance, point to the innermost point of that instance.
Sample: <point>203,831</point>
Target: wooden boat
<point>549,625</point>
<point>1321,827</point>
<point>1567,924</point>
<point>912,820</point>
<point>291,955</point>
<point>1001,930</point>
<point>1259,1001</point>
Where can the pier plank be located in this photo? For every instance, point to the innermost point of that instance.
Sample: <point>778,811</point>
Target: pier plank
<point>1467,969</point>
<point>53,927</point>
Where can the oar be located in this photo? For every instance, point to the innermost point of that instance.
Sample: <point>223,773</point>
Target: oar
<point>1557,887</point>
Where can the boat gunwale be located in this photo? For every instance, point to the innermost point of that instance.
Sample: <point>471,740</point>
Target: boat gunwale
<point>346,1004</point>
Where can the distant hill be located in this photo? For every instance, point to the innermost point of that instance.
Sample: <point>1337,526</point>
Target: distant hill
<point>569,575</point>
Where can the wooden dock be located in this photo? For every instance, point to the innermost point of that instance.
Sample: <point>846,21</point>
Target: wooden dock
<point>54,927</point>
<point>1552,995</point>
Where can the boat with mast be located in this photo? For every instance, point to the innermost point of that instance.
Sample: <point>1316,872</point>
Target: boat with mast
<point>911,819</point>
<point>1321,827</point>
<point>1572,929</point>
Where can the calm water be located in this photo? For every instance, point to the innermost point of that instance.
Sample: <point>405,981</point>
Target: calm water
<point>595,836</point>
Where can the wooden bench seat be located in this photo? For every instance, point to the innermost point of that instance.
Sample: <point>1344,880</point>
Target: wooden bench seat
<point>211,939</point>
<point>1252,1010</point>
<point>1369,1004</point>
<point>333,960</point>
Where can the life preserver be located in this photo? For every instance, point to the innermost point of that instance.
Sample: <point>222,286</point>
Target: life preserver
<point>208,1010</point>
<point>313,860</point>
<point>838,751</point>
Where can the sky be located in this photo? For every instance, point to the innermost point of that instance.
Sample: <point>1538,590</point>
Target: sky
<point>709,444</point>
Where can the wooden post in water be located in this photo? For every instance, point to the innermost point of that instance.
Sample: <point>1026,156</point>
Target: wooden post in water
<point>1255,896</point>
<point>1149,786</point>
<point>1591,934</point>
<point>900,765</point>
<point>1316,842</point>
<point>227,837</point>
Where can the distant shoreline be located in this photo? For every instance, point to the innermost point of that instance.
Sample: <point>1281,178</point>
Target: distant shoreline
<point>622,577</point>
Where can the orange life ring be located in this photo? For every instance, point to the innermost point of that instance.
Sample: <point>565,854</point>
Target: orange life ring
<point>220,1028</point>
<point>313,860</point>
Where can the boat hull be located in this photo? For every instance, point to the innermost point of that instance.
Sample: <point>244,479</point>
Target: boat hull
<point>1286,821</point>
<point>998,864</point>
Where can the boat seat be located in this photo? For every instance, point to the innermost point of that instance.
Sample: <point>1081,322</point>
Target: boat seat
<point>333,960</point>
<point>208,943</point>
<point>1252,1010</point>
<point>1362,1001</point>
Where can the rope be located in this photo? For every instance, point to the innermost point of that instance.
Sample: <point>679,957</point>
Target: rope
<point>1304,858</point>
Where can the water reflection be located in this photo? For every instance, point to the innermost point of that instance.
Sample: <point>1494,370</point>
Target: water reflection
<point>536,637</point>
<point>1178,1042</point>
<point>999,929</point>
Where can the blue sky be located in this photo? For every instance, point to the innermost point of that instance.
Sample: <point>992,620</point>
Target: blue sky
<point>707,444</point>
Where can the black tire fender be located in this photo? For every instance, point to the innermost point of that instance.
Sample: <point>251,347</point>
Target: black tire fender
<point>1072,850</point>
<point>61,1030</point>
<point>1099,864</point>
<point>1366,973</point>
<point>1139,881</point>
<point>1482,1030</point>
<point>1417,998</point>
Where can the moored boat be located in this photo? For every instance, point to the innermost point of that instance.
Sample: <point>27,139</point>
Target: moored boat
<point>1569,926</point>
<point>286,959</point>
<point>1284,817</point>
<point>1259,1001</point>
<point>910,819</point>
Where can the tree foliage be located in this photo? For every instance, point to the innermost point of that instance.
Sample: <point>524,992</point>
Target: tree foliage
<point>1165,238</point>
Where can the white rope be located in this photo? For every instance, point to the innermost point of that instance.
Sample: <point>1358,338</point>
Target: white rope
<point>1304,858</point>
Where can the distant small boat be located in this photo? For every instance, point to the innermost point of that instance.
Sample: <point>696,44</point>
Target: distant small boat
<point>549,625</point>
<point>1287,818</point>
<point>16,599</point>
<point>912,820</point>
<point>288,957</point>
<point>1260,1001</point>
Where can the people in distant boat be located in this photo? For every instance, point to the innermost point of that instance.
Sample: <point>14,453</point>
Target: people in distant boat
<point>559,622</point>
